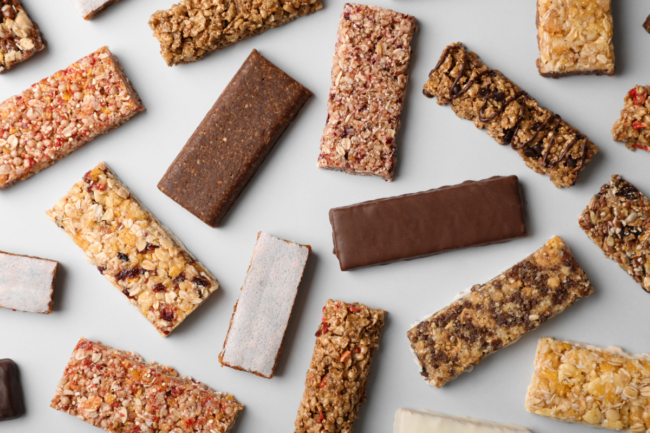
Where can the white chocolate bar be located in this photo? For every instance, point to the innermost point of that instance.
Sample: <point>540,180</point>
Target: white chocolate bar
<point>423,421</point>
<point>26,283</point>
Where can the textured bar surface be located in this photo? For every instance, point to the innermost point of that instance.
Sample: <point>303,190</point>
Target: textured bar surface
<point>335,388</point>
<point>118,392</point>
<point>20,37</point>
<point>89,8</point>
<point>11,395</point>
<point>26,283</point>
<point>633,127</point>
<point>369,77</point>
<point>133,250</point>
<point>406,227</point>
<point>420,421</point>
<point>498,313</point>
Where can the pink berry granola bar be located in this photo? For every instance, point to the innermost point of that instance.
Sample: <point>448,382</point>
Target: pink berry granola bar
<point>20,37</point>
<point>633,127</point>
<point>27,283</point>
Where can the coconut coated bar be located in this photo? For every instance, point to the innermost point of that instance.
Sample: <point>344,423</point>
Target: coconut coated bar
<point>20,37</point>
<point>11,396</point>
<point>26,283</point>
<point>498,313</point>
<point>89,8</point>
<point>118,392</point>
<point>420,421</point>
<point>633,127</point>
<point>142,258</point>
<point>548,144</point>
<point>261,315</point>
<point>369,77</point>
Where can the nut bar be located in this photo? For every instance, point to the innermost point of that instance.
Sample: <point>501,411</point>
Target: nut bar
<point>547,144</point>
<point>261,315</point>
<point>192,29</point>
<point>410,226</point>
<point>600,387</point>
<point>233,139</point>
<point>369,77</point>
<point>633,128</point>
<point>11,396</point>
<point>127,395</point>
<point>335,388</point>
<point>20,37</point>
<point>59,114</point>
<point>575,37</point>
<point>498,313</point>
<point>26,283</point>
<point>89,8</point>
<point>133,250</point>
<point>418,421</point>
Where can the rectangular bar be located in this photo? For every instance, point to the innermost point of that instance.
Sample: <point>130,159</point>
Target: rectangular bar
<point>26,283</point>
<point>633,127</point>
<point>261,315</point>
<point>234,139</point>
<point>498,313</point>
<point>20,37</point>
<point>142,258</point>
<point>11,395</point>
<point>370,71</point>
<point>547,144</point>
<point>419,421</point>
<point>89,8</point>
<point>59,114</point>
<point>128,394</point>
<point>335,388</point>
<point>410,226</point>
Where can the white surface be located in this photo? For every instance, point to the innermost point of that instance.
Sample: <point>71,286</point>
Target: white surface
<point>290,198</point>
<point>420,421</point>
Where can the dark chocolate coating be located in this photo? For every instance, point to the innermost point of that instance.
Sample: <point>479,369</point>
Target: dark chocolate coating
<point>410,226</point>
<point>11,396</point>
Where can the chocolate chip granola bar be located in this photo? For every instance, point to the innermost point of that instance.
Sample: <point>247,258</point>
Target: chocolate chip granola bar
<point>633,127</point>
<point>20,37</point>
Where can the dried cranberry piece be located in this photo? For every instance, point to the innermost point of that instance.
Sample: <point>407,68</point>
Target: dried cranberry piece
<point>158,288</point>
<point>101,269</point>
<point>179,279</point>
<point>130,273</point>
<point>123,257</point>
<point>167,314</point>
<point>127,294</point>
<point>201,282</point>
<point>149,248</point>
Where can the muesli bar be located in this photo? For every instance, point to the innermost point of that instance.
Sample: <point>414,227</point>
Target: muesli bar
<point>419,421</point>
<point>129,395</point>
<point>548,144</point>
<point>498,313</point>
<point>20,37</point>
<point>335,388</point>
<point>370,71</point>
<point>142,258</point>
<point>89,8</point>
<point>633,127</point>
<point>27,283</point>
<point>59,114</point>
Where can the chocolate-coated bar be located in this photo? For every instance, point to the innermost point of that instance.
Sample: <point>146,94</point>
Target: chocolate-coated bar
<point>26,283</point>
<point>11,396</point>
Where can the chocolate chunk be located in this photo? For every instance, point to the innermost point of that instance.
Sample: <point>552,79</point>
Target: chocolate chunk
<point>427,94</point>
<point>499,97</point>
<point>11,396</point>
<point>571,163</point>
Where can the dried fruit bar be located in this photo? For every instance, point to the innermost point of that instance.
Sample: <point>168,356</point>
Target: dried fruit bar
<point>370,71</point>
<point>548,144</point>
<point>20,37</point>
<point>11,395</point>
<point>498,313</point>
<point>419,421</point>
<point>335,388</point>
<point>191,30</point>
<point>133,250</point>
<point>59,114</point>
<point>89,8</point>
<point>633,128</point>
<point>129,395</point>
<point>26,283</point>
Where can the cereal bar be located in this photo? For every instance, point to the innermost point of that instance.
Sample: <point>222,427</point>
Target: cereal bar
<point>633,128</point>
<point>20,37</point>
<point>26,283</point>
<point>419,421</point>
<point>548,144</point>
<point>369,77</point>
<point>335,388</point>
<point>118,392</point>
<point>498,313</point>
<point>89,8</point>
<point>132,249</point>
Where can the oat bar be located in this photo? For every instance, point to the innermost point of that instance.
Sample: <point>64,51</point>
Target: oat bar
<point>118,392</point>
<point>26,283</point>
<point>548,144</point>
<point>633,128</point>
<point>20,37</point>
<point>89,8</point>
<point>335,388</point>
<point>369,77</point>
<point>59,114</point>
<point>419,421</point>
<point>498,313</point>
<point>11,396</point>
<point>142,258</point>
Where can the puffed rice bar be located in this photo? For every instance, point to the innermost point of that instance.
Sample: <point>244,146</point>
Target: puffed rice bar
<point>27,283</point>
<point>89,8</point>
<point>20,37</point>
<point>633,127</point>
<point>142,258</point>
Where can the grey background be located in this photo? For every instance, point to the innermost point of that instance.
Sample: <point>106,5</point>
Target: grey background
<point>290,198</point>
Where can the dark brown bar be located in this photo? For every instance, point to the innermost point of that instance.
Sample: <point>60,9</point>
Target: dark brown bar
<point>410,226</point>
<point>11,397</point>
<point>233,140</point>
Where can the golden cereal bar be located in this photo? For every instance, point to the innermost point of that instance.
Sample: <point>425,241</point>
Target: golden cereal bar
<point>20,37</point>
<point>633,127</point>
<point>133,250</point>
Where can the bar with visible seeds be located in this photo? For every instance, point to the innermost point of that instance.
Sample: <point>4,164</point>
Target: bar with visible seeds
<point>118,392</point>
<point>89,8</point>
<point>419,421</point>
<point>498,313</point>
<point>335,388</point>
<point>59,114</point>
<point>369,75</point>
<point>142,258</point>
<point>548,144</point>
<point>633,127</point>
<point>27,283</point>
<point>20,37</point>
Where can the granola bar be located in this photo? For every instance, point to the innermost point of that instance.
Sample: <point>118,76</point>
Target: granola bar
<point>335,388</point>
<point>192,29</point>
<point>498,313</point>
<point>142,258</point>
<point>11,395</point>
<point>633,128</point>
<point>89,8</point>
<point>26,283</point>
<point>600,387</point>
<point>547,144</point>
<point>20,37</point>
<point>59,114</point>
<point>419,421</point>
<point>369,77</point>
<point>117,392</point>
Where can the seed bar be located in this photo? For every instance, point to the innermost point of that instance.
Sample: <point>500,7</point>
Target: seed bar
<point>547,144</point>
<point>20,37</point>
<point>335,388</point>
<point>26,283</point>
<point>419,421</point>
<point>142,258</point>
<point>633,128</point>
<point>369,77</point>
<point>261,315</point>
<point>89,8</point>
<point>11,396</point>
<point>128,395</point>
<point>498,313</point>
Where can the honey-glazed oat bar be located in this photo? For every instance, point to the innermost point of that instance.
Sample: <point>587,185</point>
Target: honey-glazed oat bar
<point>142,258</point>
<point>89,8</point>
<point>118,392</point>
<point>633,127</point>
<point>27,283</point>
<point>370,71</point>
<point>548,144</point>
<point>335,388</point>
<point>498,313</point>
<point>421,421</point>
<point>20,37</point>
